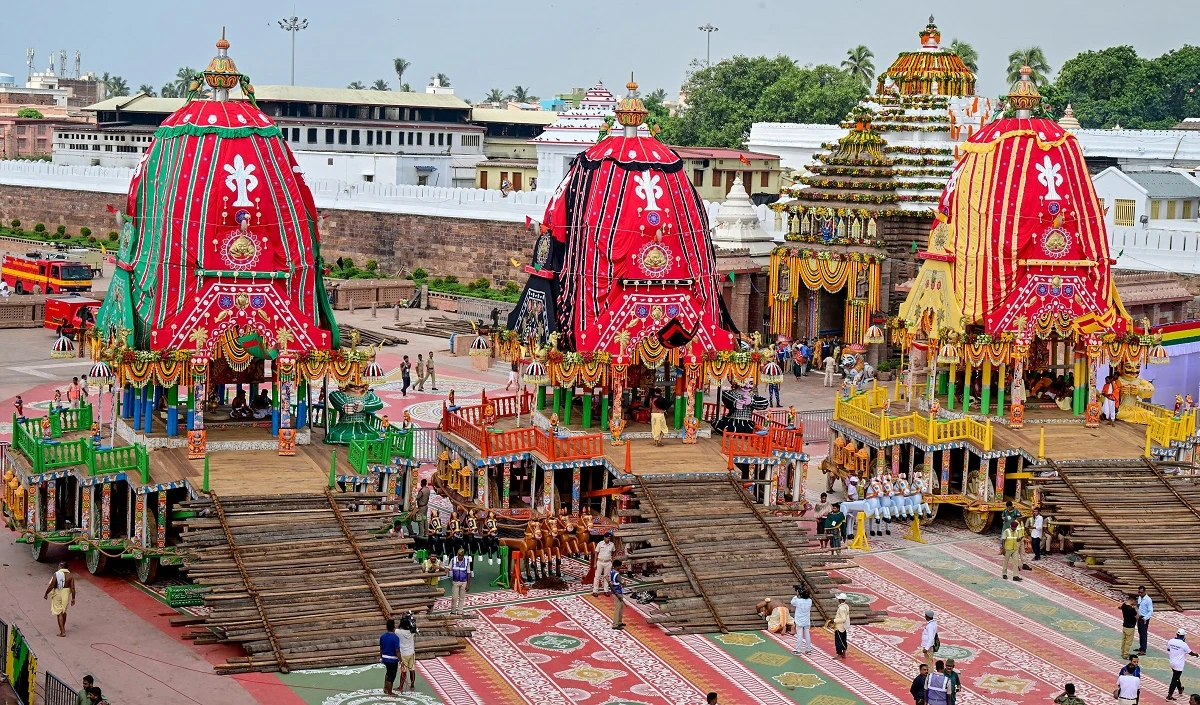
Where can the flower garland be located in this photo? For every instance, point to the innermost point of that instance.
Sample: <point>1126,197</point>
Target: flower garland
<point>830,256</point>
<point>841,160</point>
<point>900,116</point>
<point>848,184</point>
<point>826,211</point>
<point>864,170</point>
<point>946,151</point>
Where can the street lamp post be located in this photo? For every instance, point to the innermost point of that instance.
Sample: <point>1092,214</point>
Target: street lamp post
<point>292,25</point>
<point>708,29</point>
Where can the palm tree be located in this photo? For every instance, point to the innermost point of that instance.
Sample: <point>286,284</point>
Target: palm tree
<point>1035,59</point>
<point>520,94</point>
<point>117,86</point>
<point>168,91</point>
<point>406,88</point>
<point>380,85</point>
<point>105,78</point>
<point>357,85</point>
<point>147,89</point>
<point>444,80</point>
<point>859,65</point>
<point>967,53</point>
<point>658,94</point>
<point>183,81</point>
<point>494,96</point>
<point>400,65</point>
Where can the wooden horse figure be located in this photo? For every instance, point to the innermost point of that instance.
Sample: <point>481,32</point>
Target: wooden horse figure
<point>528,545</point>
<point>551,552</point>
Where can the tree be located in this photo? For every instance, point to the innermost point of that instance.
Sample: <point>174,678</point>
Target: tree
<point>1035,59</point>
<point>183,80</point>
<point>380,85</point>
<point>30,114</point>
<point>357,85</point>
<point>443,79</point>
<point>520,94</point>
<point>726,98</point>
<point>168,91</point>
<point>116,86</point>
<point>657,94</point>
<point>495,95</point>
<point>148,90</point>
<point>405,88</point>
<point>400,66</point>
<point>966,52</point>
<point>859,65</point>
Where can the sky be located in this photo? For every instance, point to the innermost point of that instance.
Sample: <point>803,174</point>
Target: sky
<point>552,47</point>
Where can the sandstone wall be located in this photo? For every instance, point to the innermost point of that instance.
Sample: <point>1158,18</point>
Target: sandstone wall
<point>464,247</point>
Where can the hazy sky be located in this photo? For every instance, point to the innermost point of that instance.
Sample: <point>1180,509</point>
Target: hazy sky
<point>554,46</point>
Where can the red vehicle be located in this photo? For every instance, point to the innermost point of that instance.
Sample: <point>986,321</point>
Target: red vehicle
<point>73,310</point>
<point>50,276</point>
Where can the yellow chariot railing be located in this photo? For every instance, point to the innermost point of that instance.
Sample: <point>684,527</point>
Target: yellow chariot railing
<point>1165,429</point>
<point>854,411</point>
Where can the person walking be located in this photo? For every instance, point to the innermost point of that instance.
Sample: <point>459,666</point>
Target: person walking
<point>1111,393</point>
<point>1068,697</point>
<point>62,586</point>
<point>1035,532</point>
<point>1177,653</point>
<point>405,376</point>
<point>460,580</point>
<point>1011,539</point>
<point>1145,610</point>
<point>805,358</point>
<point>513,375</point>
<point>830,365</point>
<point>955,684</point>
<point>802,606</point>
<point>389,656</point>
<point>929,638</point>
<point>937,685</point>
<point>604,563</point>
<point>1128,688</point>
<point>429,371</point>
<point>420,372</point>
<point>917,689</point>
<point>841,623</point>
<point>1129,620</point>
<point>773,394</point>
<point>73,393</point>
<point>618,593</point>
<point>406,633</point>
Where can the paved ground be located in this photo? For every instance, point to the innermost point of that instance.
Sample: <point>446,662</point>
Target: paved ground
<point>1014,642</point>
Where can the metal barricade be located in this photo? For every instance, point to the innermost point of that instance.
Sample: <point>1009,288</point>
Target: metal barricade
<point>56,692</point>
<point>816,425</point>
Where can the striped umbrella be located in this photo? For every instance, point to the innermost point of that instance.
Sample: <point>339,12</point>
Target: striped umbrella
<point>374,373</point>
<point>1158,355</point>
<point>63,347</point>
<point>771,372</point>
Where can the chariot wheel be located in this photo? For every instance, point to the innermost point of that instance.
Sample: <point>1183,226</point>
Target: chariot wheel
<point>39,549</point>
<point>978,522</point>
<point>933,509</point>
<point>96,561</point>
<point>147,570</point>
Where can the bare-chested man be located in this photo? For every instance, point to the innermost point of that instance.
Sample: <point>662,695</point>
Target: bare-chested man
<point>779,619</point>
<point>62,585</point>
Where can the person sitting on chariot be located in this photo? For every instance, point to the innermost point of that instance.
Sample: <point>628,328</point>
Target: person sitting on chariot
<point>1043,383</point>
<point>261,406</point>
<point>239,409</point>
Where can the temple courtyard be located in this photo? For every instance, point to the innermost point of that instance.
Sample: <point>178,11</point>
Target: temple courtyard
<point>1013,642</point>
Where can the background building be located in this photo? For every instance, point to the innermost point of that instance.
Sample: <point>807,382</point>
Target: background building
<point>713,171</point>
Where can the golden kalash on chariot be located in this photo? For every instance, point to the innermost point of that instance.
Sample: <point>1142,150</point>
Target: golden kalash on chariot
<point>214,328</point>
<point>620,328</point>
<point>1010,332</point>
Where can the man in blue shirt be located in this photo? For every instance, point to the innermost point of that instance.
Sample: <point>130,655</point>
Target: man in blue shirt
<point>1145,610</point>
<point>389,655</point>
<point>618,592</point>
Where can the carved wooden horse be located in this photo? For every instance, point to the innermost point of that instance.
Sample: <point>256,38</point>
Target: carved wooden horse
<point>528,545</point>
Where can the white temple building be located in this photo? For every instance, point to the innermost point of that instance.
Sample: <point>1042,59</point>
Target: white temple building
<point>573,132</point>
<point>738,226</point>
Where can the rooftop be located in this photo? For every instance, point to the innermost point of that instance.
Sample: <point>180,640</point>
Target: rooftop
<point>296,94</point>
<point>1165,184</point>
<point>518,117</point>
<point>719,153</point>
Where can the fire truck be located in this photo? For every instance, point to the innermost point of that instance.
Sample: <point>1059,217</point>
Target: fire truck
<point>51,276</point>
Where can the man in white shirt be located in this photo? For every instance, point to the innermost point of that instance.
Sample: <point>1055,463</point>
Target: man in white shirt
<point>407,633</point>
<point>929,638</point>
<point>1177,653</point>
<point>841,626</point>
<point>1145,610</point>
<point>1035,533</point>
<point>604,558</point>
<point>852,488</point>
<point>1128,686</point>
<point>802,605</point>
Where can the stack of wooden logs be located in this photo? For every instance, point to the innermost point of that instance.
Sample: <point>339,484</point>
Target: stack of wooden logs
<point>720,553</point>
<point>1135,520</point>
<point>322,598</point>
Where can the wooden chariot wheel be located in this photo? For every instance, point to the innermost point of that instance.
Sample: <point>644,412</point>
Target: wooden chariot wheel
<point>933,512</point>
<point>96,561</point>
<point>147,570</point>
<point>978,522</point>
<point>40,549</point>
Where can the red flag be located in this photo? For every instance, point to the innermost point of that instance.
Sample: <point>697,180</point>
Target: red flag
<point>742,158</point>
<point>528,222</point>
